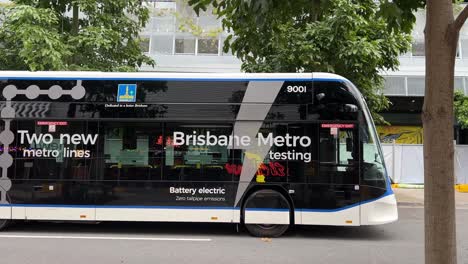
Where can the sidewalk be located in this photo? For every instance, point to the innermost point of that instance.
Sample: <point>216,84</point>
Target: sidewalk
<point>415,197</point>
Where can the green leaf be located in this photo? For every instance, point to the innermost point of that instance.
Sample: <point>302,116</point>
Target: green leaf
<point>347,37</point>
<point>37,35</point>
<point>460,106</point>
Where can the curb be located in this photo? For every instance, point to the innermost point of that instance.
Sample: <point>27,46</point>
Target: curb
<point>407,186</point>
<point>463,188</point>
<point>410,204</point>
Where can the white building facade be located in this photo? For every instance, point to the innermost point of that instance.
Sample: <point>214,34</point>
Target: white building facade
<point>180,41</point>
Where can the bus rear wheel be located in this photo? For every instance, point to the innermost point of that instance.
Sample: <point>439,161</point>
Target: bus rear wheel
<point>4,223</point>
<point>265,230</point>
<point>264,199</point>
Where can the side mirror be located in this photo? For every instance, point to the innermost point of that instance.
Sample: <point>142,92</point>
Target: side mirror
<point>350,108</point>
<point>320,96</point>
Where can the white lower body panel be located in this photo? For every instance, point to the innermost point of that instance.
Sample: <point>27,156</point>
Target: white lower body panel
<point>266,217</point>
<point>64,213</point>
<point>381,211</point>
<point>349,216</point>
<point>5,212</point>
<point>165,215</point>
<point>60,213</point>
<point>18,212</point>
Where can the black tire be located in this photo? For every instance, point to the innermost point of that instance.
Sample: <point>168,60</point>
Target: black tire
<point>4,224</point>
<point>258,230</point>
<point>266,230</point>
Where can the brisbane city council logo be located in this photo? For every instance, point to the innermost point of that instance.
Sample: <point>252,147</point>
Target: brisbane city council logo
<point>126,93</point>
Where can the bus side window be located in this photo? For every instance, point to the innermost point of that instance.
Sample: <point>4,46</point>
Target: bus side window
<point>129,139</point>
<point>338,155</point>
<point>195,159</point>
<point>337,146</point>
<point>346,148</point>
<point>372,168</point>
<point>304,168</point>
<point>332,101</point>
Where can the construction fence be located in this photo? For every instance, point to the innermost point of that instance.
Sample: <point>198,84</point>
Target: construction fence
<point>405,163</point>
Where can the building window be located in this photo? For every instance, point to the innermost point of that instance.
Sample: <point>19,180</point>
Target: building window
<point>165,4</point>
<point>464,48</point>
<point>416,86</point>
<point>162,44</point>
<point>458,84</point>
<point>406,55</point>
<point>145,44</point>
<point>458,55</point>
<point>395,85</point>
<point>164,24</point>
<point>418,48</point>
<point>149,25</point>
<point>208,46</point>
<point>185,45</point>
<point>185,24</point>
<point>209,23</point>
<point>465,79</point>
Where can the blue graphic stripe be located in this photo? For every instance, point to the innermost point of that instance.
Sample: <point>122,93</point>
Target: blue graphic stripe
<point>328,210</point>
<point>348,206</point>
<point>118,206</point>
<point>190,207</point>
<point>267,209</point>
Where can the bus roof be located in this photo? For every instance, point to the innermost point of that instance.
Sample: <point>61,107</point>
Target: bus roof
<point>90,75</point>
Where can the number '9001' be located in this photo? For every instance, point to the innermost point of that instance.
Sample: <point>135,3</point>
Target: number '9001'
<point>296,89</point>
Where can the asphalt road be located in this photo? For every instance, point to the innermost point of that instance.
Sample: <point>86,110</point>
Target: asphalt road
<point>48,243</point>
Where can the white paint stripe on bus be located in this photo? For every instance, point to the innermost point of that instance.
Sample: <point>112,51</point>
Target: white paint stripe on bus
<point>110,238</point>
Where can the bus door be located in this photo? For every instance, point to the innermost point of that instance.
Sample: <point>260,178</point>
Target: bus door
<point>339,171</point>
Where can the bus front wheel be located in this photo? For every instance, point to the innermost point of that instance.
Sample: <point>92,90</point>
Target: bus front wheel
<point>262,204</point>
<point>266,230</point>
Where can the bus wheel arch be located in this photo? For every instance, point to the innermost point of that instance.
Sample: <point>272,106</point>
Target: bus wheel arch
<point>267,230</point>
<point>5,222</point>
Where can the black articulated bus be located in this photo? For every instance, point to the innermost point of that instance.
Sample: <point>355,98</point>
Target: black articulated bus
<point>265,150</point>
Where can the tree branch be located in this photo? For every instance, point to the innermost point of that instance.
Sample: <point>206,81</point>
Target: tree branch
<point>461,18</point>
<point>75,19</point>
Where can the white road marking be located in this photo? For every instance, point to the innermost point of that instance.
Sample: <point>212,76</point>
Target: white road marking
<point>110,238</point>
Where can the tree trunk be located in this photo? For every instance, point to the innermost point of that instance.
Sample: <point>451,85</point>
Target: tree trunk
<point>439,196</point>
<point>75,20</point>
<point>75,27</point>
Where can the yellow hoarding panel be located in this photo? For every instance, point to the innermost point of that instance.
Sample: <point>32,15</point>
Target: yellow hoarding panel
<point>401,134</point>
